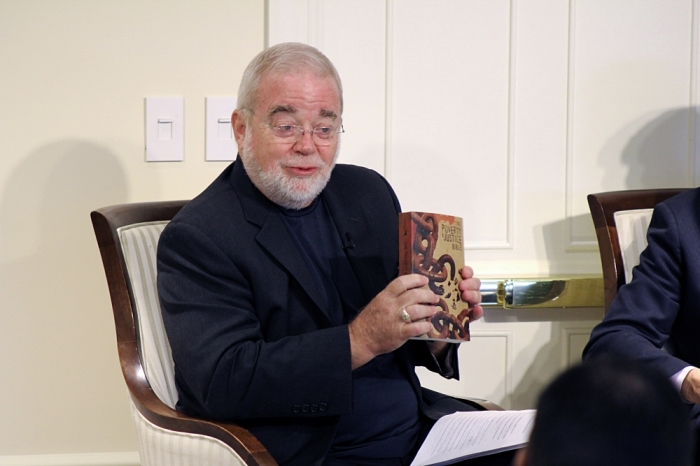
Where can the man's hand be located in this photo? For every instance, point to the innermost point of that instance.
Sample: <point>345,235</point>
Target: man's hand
<point>379,328</point>
<point>469,286</point>
<point>690,389</point>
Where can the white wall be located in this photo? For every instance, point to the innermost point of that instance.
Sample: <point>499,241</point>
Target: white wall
<point>509,112</point>
<point>73,76</point>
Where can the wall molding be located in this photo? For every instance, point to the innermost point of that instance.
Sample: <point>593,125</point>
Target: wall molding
<point>569,215</point>
<point>507,376</point>
<point>567,343</point>
<point>388,79</point>
<point>75,459</point>
<point>510,144</point>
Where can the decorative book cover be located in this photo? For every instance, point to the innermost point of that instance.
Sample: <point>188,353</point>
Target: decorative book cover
<point>431,244</point>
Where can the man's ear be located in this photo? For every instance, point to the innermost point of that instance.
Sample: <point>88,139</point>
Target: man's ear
<point>520,458</point>
<point>239,128</point>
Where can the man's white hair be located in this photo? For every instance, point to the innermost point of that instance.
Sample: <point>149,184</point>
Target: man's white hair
<point>286,58</point>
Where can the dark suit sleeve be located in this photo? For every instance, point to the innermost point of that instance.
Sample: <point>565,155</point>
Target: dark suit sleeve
<point>641,319</point>
<point>225,368</point>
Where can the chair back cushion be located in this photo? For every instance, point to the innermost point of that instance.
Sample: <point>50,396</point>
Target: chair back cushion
<point>632,226</point>
<point>139,245</point>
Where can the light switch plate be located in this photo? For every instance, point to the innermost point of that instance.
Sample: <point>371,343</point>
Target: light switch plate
<point>221,145</point>
<point>165,129</point>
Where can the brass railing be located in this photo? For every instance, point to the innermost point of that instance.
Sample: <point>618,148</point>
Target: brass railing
<point>548,292</point>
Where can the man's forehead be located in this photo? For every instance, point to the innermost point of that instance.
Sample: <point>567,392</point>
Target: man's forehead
<point>289,92</point>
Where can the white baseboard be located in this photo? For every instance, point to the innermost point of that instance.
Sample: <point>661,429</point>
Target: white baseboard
<point>82,459</point>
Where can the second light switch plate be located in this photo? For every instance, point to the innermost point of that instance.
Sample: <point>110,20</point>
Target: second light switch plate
<point>221,146</point>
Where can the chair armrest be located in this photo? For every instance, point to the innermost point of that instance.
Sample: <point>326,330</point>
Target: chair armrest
<point>152,408</point>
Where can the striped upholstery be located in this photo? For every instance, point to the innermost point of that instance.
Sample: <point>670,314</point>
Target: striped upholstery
<point>158,446</point>
<point>632,226</point>
<point>139,243</point>
<point>161,447</point>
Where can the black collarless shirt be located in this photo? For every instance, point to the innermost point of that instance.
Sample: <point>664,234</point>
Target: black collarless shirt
<point>384,422</point>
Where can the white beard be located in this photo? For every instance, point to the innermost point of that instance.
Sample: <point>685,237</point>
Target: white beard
<point>287,191</point>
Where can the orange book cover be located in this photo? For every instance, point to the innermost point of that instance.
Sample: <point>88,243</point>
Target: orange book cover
<point>432,245</point>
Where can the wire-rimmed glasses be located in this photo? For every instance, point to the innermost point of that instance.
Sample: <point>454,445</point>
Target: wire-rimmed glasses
<point>322,135</point>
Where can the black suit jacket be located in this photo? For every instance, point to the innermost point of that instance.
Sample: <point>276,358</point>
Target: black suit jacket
<point>661,305</point>
<point>250,338</point>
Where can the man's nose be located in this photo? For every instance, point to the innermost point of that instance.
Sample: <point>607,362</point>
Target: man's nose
<point>305,143</point>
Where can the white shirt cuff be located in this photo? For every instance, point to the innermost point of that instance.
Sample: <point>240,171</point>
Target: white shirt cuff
<point>678,378</point>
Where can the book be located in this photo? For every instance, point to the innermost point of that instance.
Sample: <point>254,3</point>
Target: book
<point>431,244</point>
<point>470,434</point>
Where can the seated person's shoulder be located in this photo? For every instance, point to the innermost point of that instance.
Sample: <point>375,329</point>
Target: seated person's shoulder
<point>680,210</point>
<point>218,200</point>
<point>684,200</point>
<point>346,175</point>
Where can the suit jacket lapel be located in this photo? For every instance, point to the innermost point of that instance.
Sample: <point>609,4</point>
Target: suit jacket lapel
<point>358,240</point>
<point>273,235</point>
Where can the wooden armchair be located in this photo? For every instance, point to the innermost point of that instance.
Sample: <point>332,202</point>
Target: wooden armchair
<point>127,236</point>
<point>621,220</point>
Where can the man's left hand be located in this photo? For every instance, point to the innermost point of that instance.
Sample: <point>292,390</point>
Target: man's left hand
<point>469,286</point>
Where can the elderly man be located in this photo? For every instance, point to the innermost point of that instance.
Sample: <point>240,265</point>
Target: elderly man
<point>279,285</point>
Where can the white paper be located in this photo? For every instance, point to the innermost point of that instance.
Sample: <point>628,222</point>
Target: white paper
<point>474,433</point>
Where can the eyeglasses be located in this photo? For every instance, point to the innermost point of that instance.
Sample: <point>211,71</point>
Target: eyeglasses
<point>322,135</point>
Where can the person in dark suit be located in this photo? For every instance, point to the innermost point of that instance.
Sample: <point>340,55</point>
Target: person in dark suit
<point>655,318</point>
<point>609,412</point>
<point>279,289</point>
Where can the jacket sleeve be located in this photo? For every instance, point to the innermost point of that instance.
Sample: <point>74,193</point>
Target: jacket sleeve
<point>642,316</point>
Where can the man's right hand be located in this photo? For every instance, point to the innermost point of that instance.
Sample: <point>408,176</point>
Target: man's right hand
<point>379,328</point>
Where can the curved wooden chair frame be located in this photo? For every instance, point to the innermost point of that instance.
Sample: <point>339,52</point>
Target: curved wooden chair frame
<point>105,222</point>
